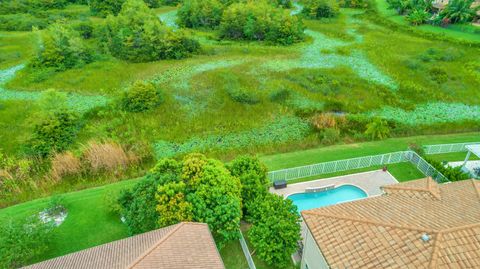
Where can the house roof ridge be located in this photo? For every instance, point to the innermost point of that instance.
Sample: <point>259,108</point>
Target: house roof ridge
<point>429,188</point>
<point>420,229</point>
<point>435,251</point>
<point>163,239</point>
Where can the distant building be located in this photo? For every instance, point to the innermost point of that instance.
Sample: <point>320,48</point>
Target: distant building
<point>185,245</point>
<point>416,224</point>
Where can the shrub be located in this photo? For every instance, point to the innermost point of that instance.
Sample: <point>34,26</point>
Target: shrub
<point>459,11</point>
<point>62,49</point>
<point>330,136</point>
<point>242,95</point>
<point>170,2</point>
<point>418,17</point>
<point>452,173</point>
<point>353,3</point>
<point>378,129</point>
<point>105,157</point>
<point>200,13</point>
<point>21,22</point>
<point>85,28</point>
<point>137,35</point>
<point>260,21</point>
<point>276,229</point>
<point>54,133</point>
<point>105,7</point>
<point>23,241</point>
<point>141,96</point>
<point>438,75</point>
<point>317,9</point>
<point>327,120</point>
<point>65,164</point>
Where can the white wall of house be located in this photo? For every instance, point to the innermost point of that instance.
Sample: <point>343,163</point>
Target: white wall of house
<point>312,257</point>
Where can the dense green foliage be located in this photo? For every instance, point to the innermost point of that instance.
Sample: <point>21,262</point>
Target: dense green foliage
<point>316,9</point>
<point>253,177</point>
<point>141,96</point>
<point>106,7</point>
<point>55,133</point>
<point>378,129</point>
<point>419,12</point>
<point>260,21</point>
<point>197,188</point>
<point>459,11</point>
<point>138,206</point>
<point>62,49</point>
<point>276,229</point>
<point>21,241</point>
<point>452,173</point>
<point>137,35</point>
<point>200,13</point>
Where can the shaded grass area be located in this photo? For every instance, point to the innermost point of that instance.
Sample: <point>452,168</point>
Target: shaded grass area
<point>452,157</point>
<point>346,151</point>
<point>463,31</point>
<point>88,224</point>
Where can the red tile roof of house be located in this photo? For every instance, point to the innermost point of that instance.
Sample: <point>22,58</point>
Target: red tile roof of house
<point>184,245</point>
<point>386,231</point>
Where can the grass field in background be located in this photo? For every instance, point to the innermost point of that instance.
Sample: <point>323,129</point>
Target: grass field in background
<point>347,151</point>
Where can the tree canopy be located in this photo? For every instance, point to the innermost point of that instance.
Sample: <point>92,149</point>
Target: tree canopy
<point>138,35</point>
<point>260,21</point>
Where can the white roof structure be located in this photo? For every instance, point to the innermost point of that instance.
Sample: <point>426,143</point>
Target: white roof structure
<point>475,149</point>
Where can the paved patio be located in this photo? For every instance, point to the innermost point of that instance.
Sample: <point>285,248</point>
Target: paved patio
<point>370,182</point>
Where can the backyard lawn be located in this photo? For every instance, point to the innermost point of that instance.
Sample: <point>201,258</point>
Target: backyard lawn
<point>90,223</point>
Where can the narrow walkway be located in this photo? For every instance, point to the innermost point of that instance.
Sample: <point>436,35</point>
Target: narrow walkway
<point>370,182</point>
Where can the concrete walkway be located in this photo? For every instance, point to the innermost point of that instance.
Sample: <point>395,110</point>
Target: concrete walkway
<point>370,182</point>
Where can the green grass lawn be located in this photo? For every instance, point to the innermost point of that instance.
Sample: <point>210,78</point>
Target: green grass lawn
<point>346,151</point>
<point>89,222</point>
<point>461,32</point>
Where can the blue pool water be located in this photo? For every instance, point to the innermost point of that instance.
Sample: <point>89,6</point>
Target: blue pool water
<point>305,201</point>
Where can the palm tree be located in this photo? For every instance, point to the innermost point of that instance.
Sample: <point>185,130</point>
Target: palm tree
<point>459,11</point>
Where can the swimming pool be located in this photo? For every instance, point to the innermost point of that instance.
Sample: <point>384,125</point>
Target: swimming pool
<point>310,200</point>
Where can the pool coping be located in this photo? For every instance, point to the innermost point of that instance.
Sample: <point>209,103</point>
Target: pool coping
<point>370,182</point>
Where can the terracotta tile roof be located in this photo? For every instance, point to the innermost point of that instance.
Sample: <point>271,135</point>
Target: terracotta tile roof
<point>386,231</point>
<point>185,245</point>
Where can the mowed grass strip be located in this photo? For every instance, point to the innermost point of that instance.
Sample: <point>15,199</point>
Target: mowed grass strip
<point>347,151</point>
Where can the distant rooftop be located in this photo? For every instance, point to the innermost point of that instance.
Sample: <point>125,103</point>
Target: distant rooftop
<point>416,224</point>
<point>185,245</point>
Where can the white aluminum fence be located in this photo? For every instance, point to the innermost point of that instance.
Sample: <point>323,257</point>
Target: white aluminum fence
<point>424,167</point>
<point>447,148</point>
<point>357,163</point>
<point>246,252</point>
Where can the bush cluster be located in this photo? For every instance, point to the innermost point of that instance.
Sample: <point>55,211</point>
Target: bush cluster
<point>197,188</point>
<point>452,173</point>
<point>62,49</point>
<point>317,9</point>
<point>260,21</point>
<point>200,13</point>
<point>137,35</point>
<point>141,96</point>
<point>22,241</point>
<point>55,133</point>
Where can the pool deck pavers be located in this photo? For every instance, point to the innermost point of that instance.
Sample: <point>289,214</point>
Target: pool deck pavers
<point>370,182</point>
